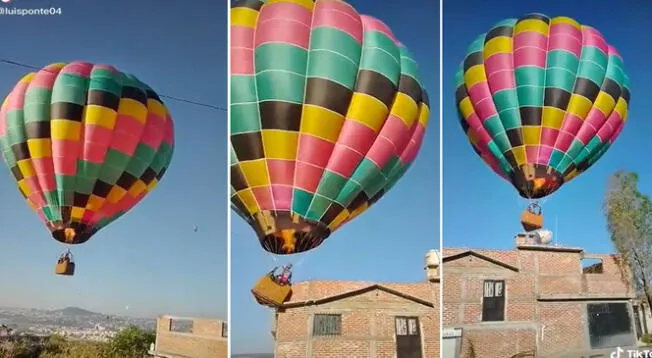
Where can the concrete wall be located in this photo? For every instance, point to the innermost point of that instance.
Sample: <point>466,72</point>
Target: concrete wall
<point>367,327</point>
<point>205,340</point>
<point>545,299</point>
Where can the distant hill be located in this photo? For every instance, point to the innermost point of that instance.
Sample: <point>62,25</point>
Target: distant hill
<point>75,311</point>
<point>253,355</point>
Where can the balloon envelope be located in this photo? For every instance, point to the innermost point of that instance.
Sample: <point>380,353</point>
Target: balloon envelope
<point>85,144</point>
<point>327,113</point>
<point>541,100</point>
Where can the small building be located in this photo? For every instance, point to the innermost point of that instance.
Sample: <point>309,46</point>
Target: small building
<point>183,337</point>
<point>535,300</point>
<point>361,319</point>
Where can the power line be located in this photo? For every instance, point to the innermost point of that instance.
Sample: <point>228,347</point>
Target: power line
<point>174,98</point>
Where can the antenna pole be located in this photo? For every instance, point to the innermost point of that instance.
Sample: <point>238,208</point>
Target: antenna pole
<point>556,234</point>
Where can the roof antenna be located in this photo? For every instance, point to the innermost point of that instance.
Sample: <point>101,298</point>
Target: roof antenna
<point>556,236</point>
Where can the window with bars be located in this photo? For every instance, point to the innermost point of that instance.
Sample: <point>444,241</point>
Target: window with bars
<point>493,301</point>
<point>407,326</point>
<point>408,337</point>
<point>327,325</point>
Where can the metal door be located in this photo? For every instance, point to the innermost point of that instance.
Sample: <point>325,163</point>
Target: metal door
<point>408,338</point>
<point>610,325</point>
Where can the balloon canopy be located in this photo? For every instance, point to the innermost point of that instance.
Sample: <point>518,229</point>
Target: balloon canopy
<point>327,113</point>
<point>541,100</point>
<point>85,144</point>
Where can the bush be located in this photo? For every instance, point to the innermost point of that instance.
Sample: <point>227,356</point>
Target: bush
<point>22,347</point>
<point>131,342</point>
<point>59,347</point>
<point>646,338</point>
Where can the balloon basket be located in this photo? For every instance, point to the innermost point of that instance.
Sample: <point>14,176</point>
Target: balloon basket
<point>268,292</point>
<point>65,267</point>
<point>531,220</point>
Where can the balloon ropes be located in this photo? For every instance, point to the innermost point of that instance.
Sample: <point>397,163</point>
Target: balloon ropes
<point>327,114</point>
<point>85,143</point>
<point>541,100</point>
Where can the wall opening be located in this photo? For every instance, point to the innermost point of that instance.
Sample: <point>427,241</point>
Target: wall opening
<point>592,265</point>
<point>181,325</point>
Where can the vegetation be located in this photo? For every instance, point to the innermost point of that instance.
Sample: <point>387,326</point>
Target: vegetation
<point>629,222</point>
<point>646,338</point>
<point>131,342</point>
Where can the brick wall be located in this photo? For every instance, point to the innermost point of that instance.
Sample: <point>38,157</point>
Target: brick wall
<point>545,298</point>
<point>204,341</point>
<point>368,326</point>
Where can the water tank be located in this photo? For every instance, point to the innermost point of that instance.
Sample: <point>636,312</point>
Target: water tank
<point>544,236</point>
<point>433,258</point>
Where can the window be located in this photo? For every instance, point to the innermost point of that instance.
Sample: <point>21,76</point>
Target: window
<point>225,332</point>
<point>407,326</point>
<point>327,325</point>
<point>493,301</point>
<point>592,265</point>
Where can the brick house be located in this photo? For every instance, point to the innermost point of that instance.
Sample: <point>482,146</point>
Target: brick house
<point>335,319</point>
<point>534,299</point>
<point>179,337</point>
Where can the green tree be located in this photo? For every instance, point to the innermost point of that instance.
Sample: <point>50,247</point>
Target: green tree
<point>131,342</point>
<point>629,221</point>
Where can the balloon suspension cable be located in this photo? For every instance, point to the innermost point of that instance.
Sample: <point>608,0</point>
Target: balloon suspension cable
<point>534,207</point>
<point>66,255</point>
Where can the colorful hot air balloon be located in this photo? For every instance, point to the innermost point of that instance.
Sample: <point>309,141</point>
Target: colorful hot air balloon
<point>85,143</point>
<point>327,113</point>
<point>541,100</point>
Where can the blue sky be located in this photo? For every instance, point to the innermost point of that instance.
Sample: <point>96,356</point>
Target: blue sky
<point>150,259</point>
<point>360,250</point>
<point>476,197</point>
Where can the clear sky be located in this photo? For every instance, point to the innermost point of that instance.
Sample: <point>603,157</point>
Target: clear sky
<point>150,259</point>
<point>360,250</point>
<point>476,197</point>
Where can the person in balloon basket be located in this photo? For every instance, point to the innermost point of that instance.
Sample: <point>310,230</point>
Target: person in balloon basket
<point>64,257</point>
<point>283,278</point>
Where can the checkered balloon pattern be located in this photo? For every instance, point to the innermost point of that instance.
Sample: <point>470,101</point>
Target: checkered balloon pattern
<point>85,144</point>
<point>327,114</point>
<point>541,100</point>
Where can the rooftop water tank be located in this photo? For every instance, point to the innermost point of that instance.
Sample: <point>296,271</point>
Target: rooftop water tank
<point>433,259</point>
<point>544,236</point>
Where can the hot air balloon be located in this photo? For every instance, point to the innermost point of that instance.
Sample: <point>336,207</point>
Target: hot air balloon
<point>327,114</point>
<point>541,100</point>
<point>85,144</point>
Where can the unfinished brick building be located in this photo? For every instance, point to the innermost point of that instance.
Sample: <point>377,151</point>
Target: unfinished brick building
<point>182,337</point>
<point>536,300</point>
<point>328,319</point>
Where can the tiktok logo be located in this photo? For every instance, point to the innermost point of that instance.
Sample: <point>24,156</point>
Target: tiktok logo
<point>631,353</point>
<point>616,354</point>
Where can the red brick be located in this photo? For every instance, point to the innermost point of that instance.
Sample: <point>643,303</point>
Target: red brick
<point>367,319</point>
<point>530,323</point>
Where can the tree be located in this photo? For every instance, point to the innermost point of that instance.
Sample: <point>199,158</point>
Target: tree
<point>131,342</point>
<point>629,222</point>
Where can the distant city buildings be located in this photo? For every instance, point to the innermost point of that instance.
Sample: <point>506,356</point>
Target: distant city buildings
<point>71,322</point>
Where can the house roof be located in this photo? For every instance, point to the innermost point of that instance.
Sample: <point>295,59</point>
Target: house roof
<point>318,292</point>
<point>504,258</point>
